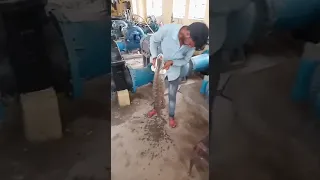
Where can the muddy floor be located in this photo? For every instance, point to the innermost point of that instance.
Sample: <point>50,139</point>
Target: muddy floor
<point>146,148</point>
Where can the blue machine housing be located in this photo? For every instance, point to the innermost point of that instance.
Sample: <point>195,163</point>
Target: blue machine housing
<point>141,77</point>
<point>132,40</point>
<point>86,42</point>
<point>133,37</point>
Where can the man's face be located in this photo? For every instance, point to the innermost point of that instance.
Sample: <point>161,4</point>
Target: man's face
<point>187,40</point>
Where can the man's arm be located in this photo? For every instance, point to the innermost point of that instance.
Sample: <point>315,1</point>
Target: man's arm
<point>185,60</point>
<point>155,41</point>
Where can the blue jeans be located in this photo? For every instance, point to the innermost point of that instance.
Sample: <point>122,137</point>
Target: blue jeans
<point>173,89</point>
<point>172,94</point>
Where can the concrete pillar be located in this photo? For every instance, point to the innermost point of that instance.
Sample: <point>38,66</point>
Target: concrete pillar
<point>41,116</point>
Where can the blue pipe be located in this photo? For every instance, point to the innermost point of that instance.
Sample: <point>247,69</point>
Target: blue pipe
<point>204,85</point>
<point>200,62</point>
<point>140,77</point>
<point>121,46</point>
<point>143,76</point>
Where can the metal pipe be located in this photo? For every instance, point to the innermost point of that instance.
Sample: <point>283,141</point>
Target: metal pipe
<point>200,62</point>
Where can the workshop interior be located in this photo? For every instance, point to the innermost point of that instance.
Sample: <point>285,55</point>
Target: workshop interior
<point>59,83</point>
<point>132,95</point>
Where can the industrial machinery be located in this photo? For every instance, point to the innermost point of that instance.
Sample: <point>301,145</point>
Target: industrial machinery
<point>25,65</point>
<point>119,28</point>
<point>42,46</point>
<point>150,26</point>
<point>128,32</point>
<point>132,37</point>
<point>44,51</point>
<point>125,77</point>
<point>84,40</point>
<point>119,6</point>
<point>145,49</point>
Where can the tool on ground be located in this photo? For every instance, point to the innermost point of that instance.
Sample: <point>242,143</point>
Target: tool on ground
<point>158,85</point>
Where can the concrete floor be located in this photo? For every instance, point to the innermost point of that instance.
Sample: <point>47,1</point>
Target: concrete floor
<point>148,148</point>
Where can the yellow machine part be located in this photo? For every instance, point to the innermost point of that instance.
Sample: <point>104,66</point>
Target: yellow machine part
<point>120,8</point>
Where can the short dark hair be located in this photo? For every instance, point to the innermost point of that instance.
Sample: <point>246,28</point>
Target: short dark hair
<point>199,33</point>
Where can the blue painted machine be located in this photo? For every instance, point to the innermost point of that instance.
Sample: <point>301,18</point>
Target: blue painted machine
<point>86,41</point>
<point>132,38</point>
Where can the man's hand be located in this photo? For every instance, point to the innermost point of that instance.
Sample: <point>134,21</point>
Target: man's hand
<point>168,64</point>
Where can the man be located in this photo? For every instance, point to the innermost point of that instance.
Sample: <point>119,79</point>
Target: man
<point>177,43</point>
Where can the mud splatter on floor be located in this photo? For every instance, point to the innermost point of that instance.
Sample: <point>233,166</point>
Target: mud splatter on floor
<point>148,147</point>
<point>157,137</point>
